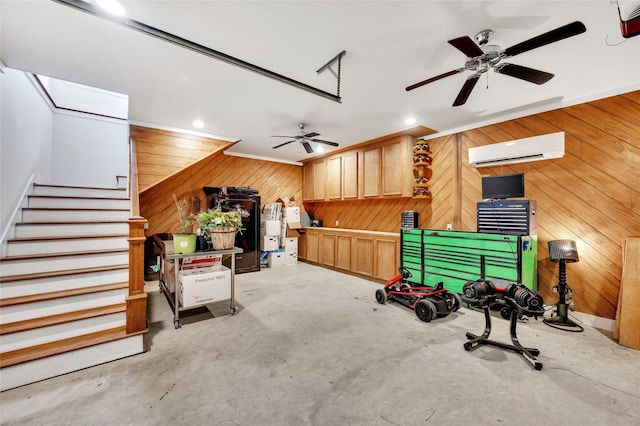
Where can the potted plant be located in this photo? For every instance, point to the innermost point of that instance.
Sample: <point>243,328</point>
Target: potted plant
<point>219,227</point>
<point>184,242</point>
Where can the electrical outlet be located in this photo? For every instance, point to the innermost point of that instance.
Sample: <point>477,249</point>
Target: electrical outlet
<point>336,223</point>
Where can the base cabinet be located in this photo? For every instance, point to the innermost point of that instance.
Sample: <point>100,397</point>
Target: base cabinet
<point>368,253</point>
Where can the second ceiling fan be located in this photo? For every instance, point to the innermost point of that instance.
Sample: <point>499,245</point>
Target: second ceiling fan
<point>482,56</point>
<point>304,139</point>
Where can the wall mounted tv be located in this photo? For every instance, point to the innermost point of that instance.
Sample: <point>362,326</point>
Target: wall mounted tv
<point>502,187</point>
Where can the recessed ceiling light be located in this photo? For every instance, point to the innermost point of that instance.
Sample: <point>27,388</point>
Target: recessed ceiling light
<point>409,121</point>
<point>111,6</point>
<point>198,124</point>
<point>320,149</point>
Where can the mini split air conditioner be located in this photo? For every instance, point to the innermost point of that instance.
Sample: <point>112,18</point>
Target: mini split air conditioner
<point>629,12</point>
<point>543,147</point>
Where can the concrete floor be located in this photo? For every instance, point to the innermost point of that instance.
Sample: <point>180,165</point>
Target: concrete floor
<point>309,346</point>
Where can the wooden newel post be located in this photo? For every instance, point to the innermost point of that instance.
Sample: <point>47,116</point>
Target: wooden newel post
<point>137,298</point>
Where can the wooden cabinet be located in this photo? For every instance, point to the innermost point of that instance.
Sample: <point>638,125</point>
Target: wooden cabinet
<point>381,170</point>
<point>367,253</point>
<point>371,172</point>
<point>350,174</point>
<point>397,168</point>
<point>334,178</point>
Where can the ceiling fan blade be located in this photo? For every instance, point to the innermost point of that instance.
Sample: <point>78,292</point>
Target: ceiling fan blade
<point>523,73</point>
<point>432,79</point>
<point>325,142</point>
<point>552,36</point>
<point>466,46</point>
<point>466,90</point>
<point>307,147</point>
<point>283,144</point>
<point>311,135</point>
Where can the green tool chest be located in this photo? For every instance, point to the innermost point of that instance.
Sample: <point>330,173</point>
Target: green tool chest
<point>455,257</point>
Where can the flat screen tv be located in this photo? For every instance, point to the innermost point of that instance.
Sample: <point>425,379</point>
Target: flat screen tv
<point>502,187</point>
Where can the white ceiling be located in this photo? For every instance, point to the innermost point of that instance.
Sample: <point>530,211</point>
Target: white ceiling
<point>389,45</point>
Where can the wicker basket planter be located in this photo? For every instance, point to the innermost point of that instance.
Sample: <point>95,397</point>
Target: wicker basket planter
<point>223,238</point>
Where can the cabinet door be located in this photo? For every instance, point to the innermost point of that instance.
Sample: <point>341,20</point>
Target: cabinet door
<point>386,258</point>
<point>363,255</point>
<point>312,245</point>
<point>307,189</point>
<point>334,178</point>
<point>319,180</point>
<point>350,175</point>
<point>371,173</point>
<point>343,252</point>
<point>395,168</point>
<point>328,249</point>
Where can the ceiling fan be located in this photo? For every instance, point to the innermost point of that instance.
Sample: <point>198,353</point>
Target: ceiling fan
<point>482,56</point>
<point>304,139</point>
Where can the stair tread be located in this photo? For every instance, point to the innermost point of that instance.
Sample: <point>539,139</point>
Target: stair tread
<point>78,197</point>
<point>66,345</point>
<point>49,320</point>
<point>75,222</point>
<point>52,274</point>
<point>61,254</point>
<point>65,237</point>
<point>73,209</point>
<point>10,301</point>
<point>78,187</point>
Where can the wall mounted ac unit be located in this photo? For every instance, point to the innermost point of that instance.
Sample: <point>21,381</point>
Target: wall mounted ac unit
<point>535,148</point>
<point>629,12</point>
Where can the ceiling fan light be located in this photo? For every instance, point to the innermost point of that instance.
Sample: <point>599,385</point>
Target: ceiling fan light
<point>111,6</point>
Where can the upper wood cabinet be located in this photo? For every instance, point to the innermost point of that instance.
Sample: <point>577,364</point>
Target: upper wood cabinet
<point>380,170</point>
<point>334,178</point>
<point>350,174</point>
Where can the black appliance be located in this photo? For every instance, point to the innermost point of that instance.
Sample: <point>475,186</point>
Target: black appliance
<point>508,217</point>
<point>247,202</point>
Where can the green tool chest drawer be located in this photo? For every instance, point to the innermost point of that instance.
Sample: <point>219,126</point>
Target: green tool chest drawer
<point>456,257</point>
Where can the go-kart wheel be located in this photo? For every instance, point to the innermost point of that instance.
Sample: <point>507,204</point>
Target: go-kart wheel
<point>457,301</point>
<point>404,287</point>
<point>425,310</point>
<point>381,296</point>
<point>505,312</point>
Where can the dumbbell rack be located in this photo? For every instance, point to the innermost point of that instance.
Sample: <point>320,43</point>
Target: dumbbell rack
<point>529,354</point>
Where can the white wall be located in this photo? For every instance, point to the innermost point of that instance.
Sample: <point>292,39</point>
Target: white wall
<point>89,151</point>
<point>26,134</point>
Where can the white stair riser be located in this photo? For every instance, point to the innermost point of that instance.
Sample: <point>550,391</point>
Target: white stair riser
<point>62,283</point>
<point>62,263</point>
<point>26,311</point>
<point>78,203</point>
<point>61,191</point>
<point>71,229</point>
<point>45,368</point>
<point>18,248</point>
<point>29,215</point>
<point>39,336</point>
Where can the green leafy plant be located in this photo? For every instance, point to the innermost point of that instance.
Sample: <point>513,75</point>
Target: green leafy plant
<point>185,219</point>
<point>216,218</point>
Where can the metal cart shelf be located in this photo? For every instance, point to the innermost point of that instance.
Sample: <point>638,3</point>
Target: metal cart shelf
<point>173,297</point>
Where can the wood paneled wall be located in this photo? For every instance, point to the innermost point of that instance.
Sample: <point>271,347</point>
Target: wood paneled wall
<point>272,180</point>
<point>162,153</point>
<point>591,195</point>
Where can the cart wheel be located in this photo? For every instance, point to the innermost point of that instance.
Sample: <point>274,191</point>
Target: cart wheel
<point>176,323</point>
<point>457,301</point>
<point>404,287</point>
<point>425,310</point>
<point>234,309</point>
<point>505,312</point>
<point>381,296</point>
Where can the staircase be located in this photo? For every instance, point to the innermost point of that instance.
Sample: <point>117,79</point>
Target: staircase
<point>64,283</point>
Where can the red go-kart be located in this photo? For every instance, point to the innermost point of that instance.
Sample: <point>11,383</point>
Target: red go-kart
<point>427,302</point>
